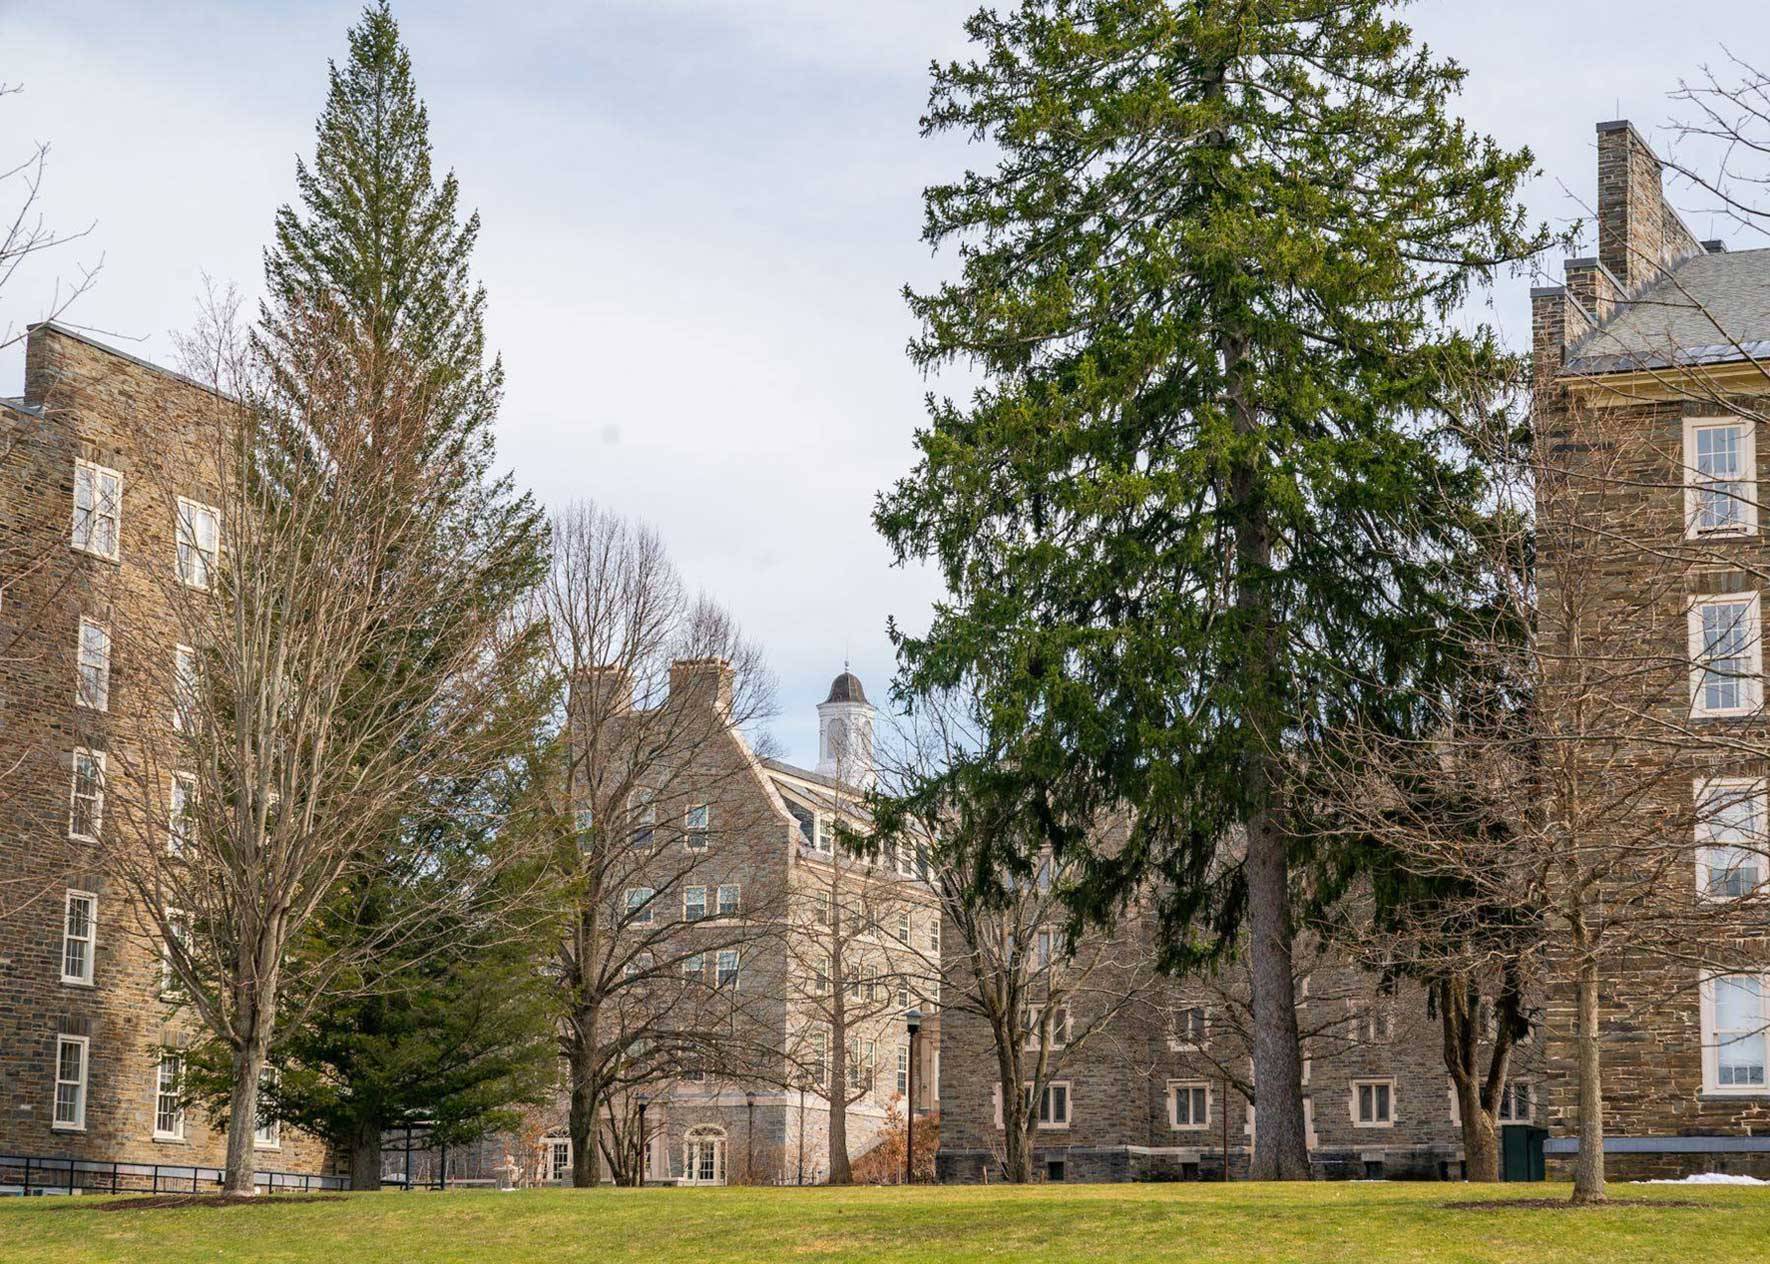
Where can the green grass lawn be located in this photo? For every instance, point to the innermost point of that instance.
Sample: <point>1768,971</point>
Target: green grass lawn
<point>1240,1223</point>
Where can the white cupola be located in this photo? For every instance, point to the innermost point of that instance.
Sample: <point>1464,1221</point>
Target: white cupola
<point>845,733</point>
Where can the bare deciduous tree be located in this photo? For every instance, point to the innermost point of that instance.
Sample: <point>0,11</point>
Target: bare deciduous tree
<point>659,683</point>
<point>276,742</point>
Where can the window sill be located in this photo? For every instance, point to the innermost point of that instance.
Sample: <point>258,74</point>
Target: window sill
<point>168,1139</point>
<point>79,983</point>
<point>113,558</point>
<point>1389,1124</point>
<point>1723,533</point>
<point>1205,1127</point>
<point>67,1127</point>
<point>1716,1092</point>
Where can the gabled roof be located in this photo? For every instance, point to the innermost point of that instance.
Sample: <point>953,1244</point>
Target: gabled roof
<point>1708,309</point>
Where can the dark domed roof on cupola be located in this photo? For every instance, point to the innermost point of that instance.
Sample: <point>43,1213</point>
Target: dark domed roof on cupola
<point>846,688</point>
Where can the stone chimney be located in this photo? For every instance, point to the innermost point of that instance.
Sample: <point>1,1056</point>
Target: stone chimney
<point>1639,234</point>
<point>703,682</point>
<point>602,692</point>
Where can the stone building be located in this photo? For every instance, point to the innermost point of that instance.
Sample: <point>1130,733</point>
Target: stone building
<point>1159,1092</point>
<point>1649,392</point>
<point>97,462</point>
<point>775,935</point>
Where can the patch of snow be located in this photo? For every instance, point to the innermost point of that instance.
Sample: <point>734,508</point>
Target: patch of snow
<point>1707,1178</point>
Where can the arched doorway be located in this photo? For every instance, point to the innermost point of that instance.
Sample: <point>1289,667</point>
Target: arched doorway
<point>703,1156</point>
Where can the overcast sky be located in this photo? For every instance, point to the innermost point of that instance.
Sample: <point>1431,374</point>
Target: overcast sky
<point>698,216</point>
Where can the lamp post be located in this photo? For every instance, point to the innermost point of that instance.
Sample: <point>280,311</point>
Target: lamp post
<point>749,1135</point>
<point>644,1142</point>
<point>912,1020</point>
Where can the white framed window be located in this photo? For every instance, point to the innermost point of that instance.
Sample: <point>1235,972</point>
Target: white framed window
<point>199,543</point>
<point>639,905</point>
<point>695,824</point>
<point>642,811</point>
<point>168,1098</point>
<point>1189,1104</point>
<point>1733,1034</point>
<point>1054,1105</point>
<point>268,1135</point>
<point>1373,1103</point>
<point>582,822</point>
<point>177,933</point>
<point>905,856</point>
<point>555,1156</point>
<point>820,1055</point>
<point>1060,1026</point>
<point>903,927</point>
<point>1730,837</point>
<point>1720,477</point>
<point>826,835</point>
<point>694,967</point>
<point>98,509</point>
<point>694,903</point>
<point>728,969</point>
<point>903,1070</point>
<point>820,908</point>
<point>93,686</point>
<point>178,812</point>
<point>1515,1102</point>
<point>86,815</point>
<point>1188,1027</point>
<point>70,1083</point>
<point>640,963</point>
<point>184,689</point>
<point>934,934</point>
<point>703,1156</point>
<point>729,899</point>
<point>820,977</point>
<point>1042,942</point>
<point>1726,655</point>
<point>861,1062</point>
<point>1052,1109</point>
<point>79,937</point>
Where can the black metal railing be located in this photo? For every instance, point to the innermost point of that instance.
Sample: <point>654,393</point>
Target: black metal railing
<point>47,1174</point>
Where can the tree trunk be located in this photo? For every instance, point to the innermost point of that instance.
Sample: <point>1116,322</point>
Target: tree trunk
<point>365,1155</point>
<point>1281,1151</point>
<point>1481,1141</point>
<point>581,1123</point>
<point>841,1173</point>
<point>242,1118</point>
<point>1588,1167</point>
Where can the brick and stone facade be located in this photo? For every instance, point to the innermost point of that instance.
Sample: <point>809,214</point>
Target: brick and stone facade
<point>1648,400</point>
<point>89,407</point>
<point>1125,1122</point>
<point>717,817</point>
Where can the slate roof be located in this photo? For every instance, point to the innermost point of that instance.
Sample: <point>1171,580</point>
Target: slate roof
<point>1710,309</point>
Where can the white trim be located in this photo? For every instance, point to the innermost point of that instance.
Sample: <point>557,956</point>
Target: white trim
<point>100,696</point>
<point>1509,1094</point>
<point>98,758</point>
<point>200,577</point>
<point>1711,1052</point>
<point>95,514</point>
<point>1748,467</point>
<point>1751,682</point>
<point>1190,1086</point>
<point>1740,789</point>
<point>78,1123</point>
<point>89,940</point>
<point>176,1132</point>
<point>1373,1083</point>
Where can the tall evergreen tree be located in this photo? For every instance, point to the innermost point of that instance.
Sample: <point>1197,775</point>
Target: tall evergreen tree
<point>376,235</point>
<point>1205,500</point>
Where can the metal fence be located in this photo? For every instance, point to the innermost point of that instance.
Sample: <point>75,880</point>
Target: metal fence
<point>40,1174</point>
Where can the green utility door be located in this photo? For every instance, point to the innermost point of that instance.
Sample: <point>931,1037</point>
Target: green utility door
<point>1521,1152</point>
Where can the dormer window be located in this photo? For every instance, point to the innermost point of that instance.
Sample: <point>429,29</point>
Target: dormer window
<point>1720,477</point>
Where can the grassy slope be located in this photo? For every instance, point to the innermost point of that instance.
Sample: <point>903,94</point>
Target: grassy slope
<point>1244,1224</point>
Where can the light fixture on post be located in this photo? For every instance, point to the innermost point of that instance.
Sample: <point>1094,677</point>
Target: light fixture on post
<point>912,1020</point>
